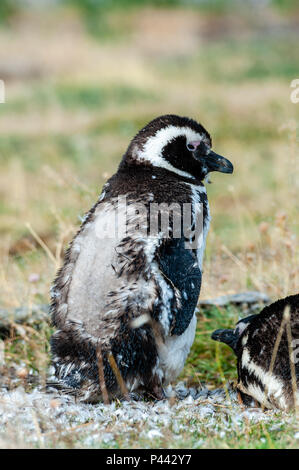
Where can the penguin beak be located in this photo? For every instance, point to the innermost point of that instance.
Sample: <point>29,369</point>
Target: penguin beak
<point>215,162</point>
<point>225,336</point>
<point>209,160</point>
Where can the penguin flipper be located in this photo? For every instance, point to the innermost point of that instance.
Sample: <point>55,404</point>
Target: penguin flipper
<point>179,265</point>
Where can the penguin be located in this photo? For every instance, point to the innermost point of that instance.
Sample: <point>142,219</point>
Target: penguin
<point>123,303</point>
<point>267,350</point>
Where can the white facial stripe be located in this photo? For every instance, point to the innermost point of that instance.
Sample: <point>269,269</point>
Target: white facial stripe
<point>152,150</point>
<point>240,327</point>
<point>244,339</point>
<point>274,385</point>
<point>161,163</point>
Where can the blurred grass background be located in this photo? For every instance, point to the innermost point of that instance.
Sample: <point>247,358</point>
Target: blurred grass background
<point>83,76</point>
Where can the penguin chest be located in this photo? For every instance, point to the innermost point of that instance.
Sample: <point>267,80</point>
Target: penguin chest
<point>202,218</point>
<point>173,353</point>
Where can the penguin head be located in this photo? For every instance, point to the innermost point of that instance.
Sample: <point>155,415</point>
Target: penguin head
<point>226,336</point>
<point>231,337</point>
<point>178,144</point>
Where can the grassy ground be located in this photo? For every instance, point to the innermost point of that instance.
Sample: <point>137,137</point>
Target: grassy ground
<point>81,90</point>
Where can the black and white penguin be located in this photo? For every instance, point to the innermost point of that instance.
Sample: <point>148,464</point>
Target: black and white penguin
<point>132,292</point>
<point>267,350</point>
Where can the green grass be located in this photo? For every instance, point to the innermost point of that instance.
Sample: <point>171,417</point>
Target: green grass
<point>264,58</point>
<point>75,96</point>
<point>209,361</point>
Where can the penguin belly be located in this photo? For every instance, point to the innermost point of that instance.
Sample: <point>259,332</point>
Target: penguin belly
<point>173,354</point>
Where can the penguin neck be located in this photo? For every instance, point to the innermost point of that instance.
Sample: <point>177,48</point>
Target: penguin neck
<point>156,171</point>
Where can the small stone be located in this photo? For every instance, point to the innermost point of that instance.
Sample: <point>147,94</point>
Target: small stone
<point>22,373</point>
<point>203,394</point>
<point>189,400</point>
<point>193,392</point>
<point>181,391</point>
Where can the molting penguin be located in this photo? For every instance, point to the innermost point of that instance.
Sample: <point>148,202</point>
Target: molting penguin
<point>132,292</point>
<point>267,348</point>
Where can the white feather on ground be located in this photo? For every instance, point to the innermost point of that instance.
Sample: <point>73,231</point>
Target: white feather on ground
<point>42,419</point>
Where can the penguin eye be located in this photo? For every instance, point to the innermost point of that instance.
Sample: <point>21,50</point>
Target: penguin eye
<point>197,145</point>
<point>191,147</point>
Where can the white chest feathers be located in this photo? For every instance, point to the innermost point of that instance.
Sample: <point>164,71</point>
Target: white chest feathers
<point>173,353</point>
<point>202,220</point>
